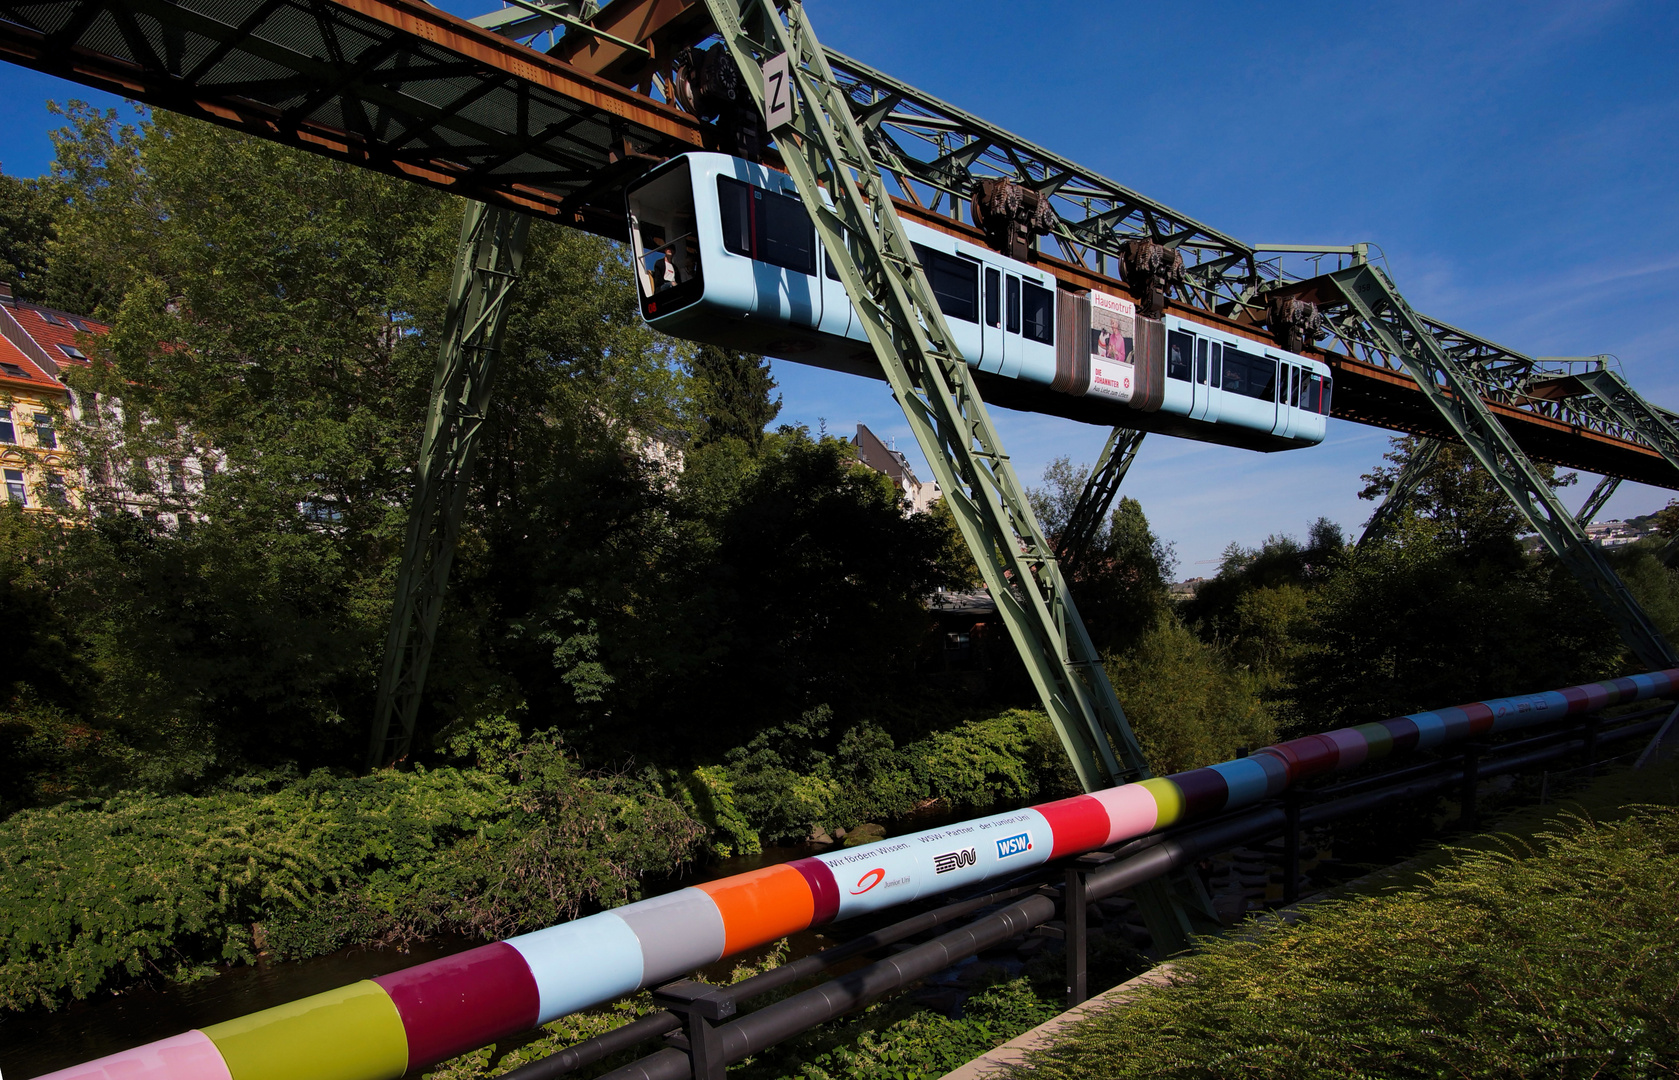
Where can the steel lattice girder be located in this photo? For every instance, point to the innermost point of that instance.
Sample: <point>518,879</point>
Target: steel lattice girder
<point>491,254</point>
<point>393,85</point>
<point>825,149</point>
<point>1371,300</point>
<point>1073,545</point>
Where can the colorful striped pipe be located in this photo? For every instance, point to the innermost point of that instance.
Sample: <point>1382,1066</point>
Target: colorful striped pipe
<point>380,1028</point>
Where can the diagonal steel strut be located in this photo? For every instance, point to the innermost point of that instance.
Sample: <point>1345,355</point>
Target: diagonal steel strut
<point>491,253</point>
<point>1452,391</point>
<point>1073,545</point>
<point>827,155</point>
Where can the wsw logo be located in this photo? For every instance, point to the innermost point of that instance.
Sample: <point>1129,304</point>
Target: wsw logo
<point>868,881</point>
<point>1018,844</point>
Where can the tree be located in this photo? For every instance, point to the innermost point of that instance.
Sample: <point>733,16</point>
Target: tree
<point>732,392</point>
<point>28,225</point>
<point>1459,498</point>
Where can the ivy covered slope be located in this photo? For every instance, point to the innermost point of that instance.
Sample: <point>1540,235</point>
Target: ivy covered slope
<point>1551,959</point>
<point>99,894</point>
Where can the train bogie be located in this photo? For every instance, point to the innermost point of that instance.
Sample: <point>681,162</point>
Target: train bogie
<point>725,253</point>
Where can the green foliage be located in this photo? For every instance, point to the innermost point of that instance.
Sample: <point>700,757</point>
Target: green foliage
<point>1551,962</point>
<point>1188,706</point>
<point>96,894</point>
<point>787,783</point>
<point>903,1043</point>
<point>28,225</point>
<point>732,394</point>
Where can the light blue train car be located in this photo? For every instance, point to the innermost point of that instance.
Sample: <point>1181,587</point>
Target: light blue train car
<point>725,253</point>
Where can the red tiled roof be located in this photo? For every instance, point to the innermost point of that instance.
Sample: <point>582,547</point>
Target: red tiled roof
<point>33,377</point>
<point>35,320</point>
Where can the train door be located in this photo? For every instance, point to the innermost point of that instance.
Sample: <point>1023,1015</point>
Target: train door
<point>1202,389</point>
<point>991,319</point>
<point>1288,385</point>
<point>1014,346</point>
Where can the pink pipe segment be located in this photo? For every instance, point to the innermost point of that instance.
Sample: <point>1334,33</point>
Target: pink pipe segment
<point>378,1029</point>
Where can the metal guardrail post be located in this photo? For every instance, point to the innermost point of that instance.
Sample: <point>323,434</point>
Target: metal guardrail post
<point>700,1005</point>
<point>1291,847</point>
<point>1471,780</point>
<point>1077,918</point>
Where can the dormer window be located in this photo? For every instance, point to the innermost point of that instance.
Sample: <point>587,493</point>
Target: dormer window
<point>13,371</point>
<point>52,319</point>
<point>72,352</point>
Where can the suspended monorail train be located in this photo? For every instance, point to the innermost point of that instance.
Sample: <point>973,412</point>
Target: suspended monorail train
<point>725,254</point>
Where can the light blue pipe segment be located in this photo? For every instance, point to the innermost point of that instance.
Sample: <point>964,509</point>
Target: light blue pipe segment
<point>903,868</point>
<point>1512,713</point>
<point>1646,683</point>
<point>1431,729</point>
<point>1247,780</point>
<point>678,931</point>
<point>578,964</point>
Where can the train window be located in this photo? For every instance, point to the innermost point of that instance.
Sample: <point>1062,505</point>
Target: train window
<point>1253,376</point>
<point>1293,385</point>
<point>734,200</point>
<point>1014,305</point>
<point>993,297</point>
<point>1201,361</point>
<point>786,238</point>
<point>1312,392</point>
<point>1217,365</point>
<point>1179,348</point>
<point>1328,385</point>
<point>1038,305</point>
<point>955,282</point>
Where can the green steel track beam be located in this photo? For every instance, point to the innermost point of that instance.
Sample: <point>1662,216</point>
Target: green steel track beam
<point>1594,502</point>
<point>1402,334</point>
<point>491,253</point>
<point>1421,462</point>
<point>1072,547</point>
<point>1654,426</point>
<point>826,154</point>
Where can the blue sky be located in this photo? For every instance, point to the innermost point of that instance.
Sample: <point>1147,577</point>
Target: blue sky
<point>1515,164</point>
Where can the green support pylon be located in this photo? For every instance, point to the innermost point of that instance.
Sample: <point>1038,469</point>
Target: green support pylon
<point>1422,460</point>
<point>826,154</point>
<point>491,252</point>
<point>1073,545</point>
<point>1403,335</point>
<point>1594,502</point>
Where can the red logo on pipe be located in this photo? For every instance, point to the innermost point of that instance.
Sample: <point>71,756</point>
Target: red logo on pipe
<point>868,881</point>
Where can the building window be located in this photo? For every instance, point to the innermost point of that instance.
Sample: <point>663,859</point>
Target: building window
<point>14,487</point>
<point>53,320</point>
<point>56,493</point>
<point>72,352</point>
<point>8,433</point>
<point>45,437</point>
<point>177,477</point>
<point>14,371</point>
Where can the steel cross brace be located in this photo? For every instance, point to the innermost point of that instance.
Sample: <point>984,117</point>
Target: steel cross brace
<point>491,253</point>
<point>827,156</point>
<point>1594,502</point>
<point>1404,486</point>
<point>1073,545</point>
<point>1451,390</point>
<point>1653,425</point>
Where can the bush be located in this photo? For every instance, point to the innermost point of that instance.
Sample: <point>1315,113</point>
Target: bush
<point>1555,962</point>
<point>1187,705</point>
<point>95,894</point>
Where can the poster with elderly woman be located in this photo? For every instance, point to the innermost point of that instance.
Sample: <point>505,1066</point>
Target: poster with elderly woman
<point>1113,324</point>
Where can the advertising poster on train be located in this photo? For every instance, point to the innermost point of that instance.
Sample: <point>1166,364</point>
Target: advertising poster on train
<point>1113,323</point>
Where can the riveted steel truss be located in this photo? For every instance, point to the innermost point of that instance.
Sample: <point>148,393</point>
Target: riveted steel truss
<point>1371,312</point>
<point>491,253</point>
<point>1073,545</point>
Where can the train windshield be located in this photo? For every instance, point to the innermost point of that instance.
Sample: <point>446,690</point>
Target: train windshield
<point>663,238</point>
